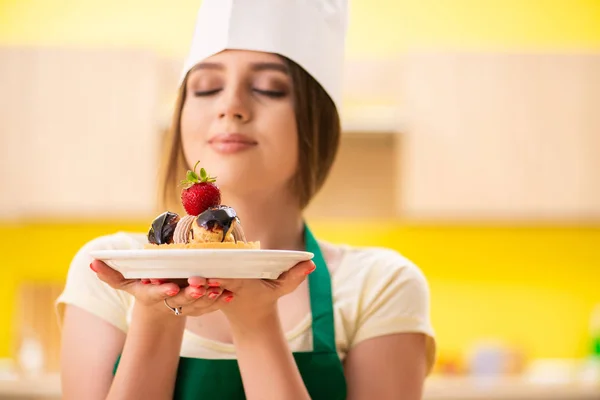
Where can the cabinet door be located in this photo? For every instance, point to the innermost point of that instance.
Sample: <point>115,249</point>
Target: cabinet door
<point>80,132</point>
<point>501,136</point>
<point>15,96</point>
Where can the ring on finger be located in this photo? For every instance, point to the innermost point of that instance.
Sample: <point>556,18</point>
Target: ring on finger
<point>176,310</point>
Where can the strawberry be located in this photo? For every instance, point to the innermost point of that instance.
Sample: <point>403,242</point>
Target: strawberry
<point>199,192</point>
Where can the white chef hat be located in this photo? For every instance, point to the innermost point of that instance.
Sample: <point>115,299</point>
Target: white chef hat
<point>309,32</point>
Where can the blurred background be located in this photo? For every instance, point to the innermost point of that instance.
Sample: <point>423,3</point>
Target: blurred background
<point>471,145</point>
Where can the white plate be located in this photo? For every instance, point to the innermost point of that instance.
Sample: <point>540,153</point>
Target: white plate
<point>207,263</point>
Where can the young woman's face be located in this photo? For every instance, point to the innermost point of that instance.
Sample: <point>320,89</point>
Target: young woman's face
<point>238,120</point>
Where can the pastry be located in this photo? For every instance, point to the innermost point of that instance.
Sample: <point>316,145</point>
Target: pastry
<point>207,223</point>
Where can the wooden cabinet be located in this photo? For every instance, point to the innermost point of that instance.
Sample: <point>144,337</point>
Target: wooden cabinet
<point>474,137</point>
<point>362,181</point>
<point>79,132</point>
<point>501,137</point>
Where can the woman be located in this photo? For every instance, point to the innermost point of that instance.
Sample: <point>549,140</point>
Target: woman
<point>358,327</point>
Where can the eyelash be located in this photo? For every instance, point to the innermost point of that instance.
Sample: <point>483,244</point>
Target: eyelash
<point>206,93</point>
<point>268,93</point>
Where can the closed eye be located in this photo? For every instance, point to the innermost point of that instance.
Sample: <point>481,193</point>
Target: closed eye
<point>206,92</point>
<point>270,93</point>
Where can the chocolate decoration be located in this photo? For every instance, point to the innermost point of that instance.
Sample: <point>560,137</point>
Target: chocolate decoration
<point>217,217</point>
<point>163,228</point>
<point>184,229</point>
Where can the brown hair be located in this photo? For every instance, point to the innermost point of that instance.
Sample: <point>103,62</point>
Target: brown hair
<point>318,126</point>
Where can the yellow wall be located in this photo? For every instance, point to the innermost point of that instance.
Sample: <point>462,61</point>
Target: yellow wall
<point>532,286</point>
<point>376,26</point>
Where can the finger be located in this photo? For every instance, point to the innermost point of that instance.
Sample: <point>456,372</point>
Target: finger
<point>112,277</point>
<point>144,292</point>
<point>226,296</point>
<point>209,307</point>
<point>300,271</point>
<point>188,296</point>
<point>197,281</point>
<point>296,275</point>
<point>179,282</point>
<point>153,293</point>
<point>232,285</point>
<point>213,293</point>
<point>195,292</point>
<point>145,281</point>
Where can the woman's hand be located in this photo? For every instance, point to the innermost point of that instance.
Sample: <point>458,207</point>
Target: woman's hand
<point>255,298</point>
<point>194,300</point>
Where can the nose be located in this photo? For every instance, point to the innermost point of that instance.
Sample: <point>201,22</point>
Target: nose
<point>234,106</point>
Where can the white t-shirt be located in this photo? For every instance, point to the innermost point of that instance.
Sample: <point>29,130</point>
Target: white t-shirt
<point>376,292</point>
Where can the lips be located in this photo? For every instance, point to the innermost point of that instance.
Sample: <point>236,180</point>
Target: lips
<point>231,142</point>
<point>232,138</point>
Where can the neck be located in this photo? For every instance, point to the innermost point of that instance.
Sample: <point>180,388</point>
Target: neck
<point>274,219</point>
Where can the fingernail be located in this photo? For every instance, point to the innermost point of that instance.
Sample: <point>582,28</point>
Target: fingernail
<point>196,286</point>
<point>196,295</point>
<point>145,281</point>
<point>311,270</point>
<point>172,292</point>
<point>213,295</point>
<point>228,298</point>
<point>214,284</point>
<point>157,281</point>
<point>93,268</point>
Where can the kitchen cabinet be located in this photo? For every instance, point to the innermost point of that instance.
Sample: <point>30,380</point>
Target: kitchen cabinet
<point>432,136</point>
<point>362,180</point>
<point>79,132</point>
<point>501,136</point>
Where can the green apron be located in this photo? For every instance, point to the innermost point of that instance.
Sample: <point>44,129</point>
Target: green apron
<point>321,369</point>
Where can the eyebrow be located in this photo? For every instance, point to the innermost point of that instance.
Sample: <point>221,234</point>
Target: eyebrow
<point>256,67</point>
<point>270,66</point>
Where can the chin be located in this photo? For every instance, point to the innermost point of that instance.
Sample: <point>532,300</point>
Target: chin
<point>249,184</point>
<point>237,179</point>
<point>246,174</point>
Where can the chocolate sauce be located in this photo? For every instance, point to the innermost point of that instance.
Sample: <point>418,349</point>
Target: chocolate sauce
<point>163,228</point>
<point>217,217</point>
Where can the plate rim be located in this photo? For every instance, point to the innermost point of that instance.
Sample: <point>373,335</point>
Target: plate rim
<point>177,253</point>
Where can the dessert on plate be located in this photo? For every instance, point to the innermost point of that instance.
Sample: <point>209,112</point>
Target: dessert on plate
<point>208,224</point>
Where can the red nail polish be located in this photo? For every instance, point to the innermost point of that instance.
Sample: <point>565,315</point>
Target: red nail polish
<point>311,270</point>
<point>93,268</point>
<point>172,292</point>
<point>196,295</point>
<point>214,284</point>
<point>228,298</point>
<point>213,295</point>
<point>145,282</point>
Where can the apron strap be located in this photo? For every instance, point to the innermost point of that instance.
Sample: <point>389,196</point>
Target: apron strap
<point>321,299</point>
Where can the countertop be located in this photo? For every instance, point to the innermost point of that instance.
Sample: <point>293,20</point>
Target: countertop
<point>436,388</point>
<point>506,388</point>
